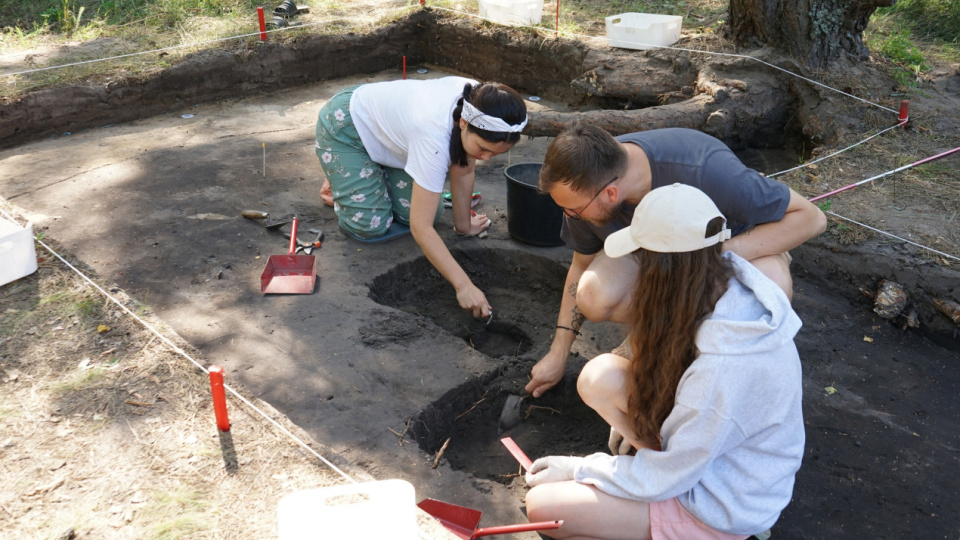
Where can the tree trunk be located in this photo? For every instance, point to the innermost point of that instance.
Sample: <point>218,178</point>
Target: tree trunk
<point>813,31</point>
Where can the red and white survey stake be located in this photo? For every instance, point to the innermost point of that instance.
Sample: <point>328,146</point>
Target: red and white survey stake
<point>888,173</point>
<point>517,453</point>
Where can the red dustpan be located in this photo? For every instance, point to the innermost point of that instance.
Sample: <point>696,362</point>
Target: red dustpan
<point>463,521</point>
<point>290,273</point>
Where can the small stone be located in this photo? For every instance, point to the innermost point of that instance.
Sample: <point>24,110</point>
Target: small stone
<point>890,300</point>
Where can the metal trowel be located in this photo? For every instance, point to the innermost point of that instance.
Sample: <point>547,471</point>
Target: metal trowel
<point>268,223</point>
<point>510,417</point>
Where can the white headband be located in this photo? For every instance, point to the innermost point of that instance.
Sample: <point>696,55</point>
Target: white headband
<point>484,121</point>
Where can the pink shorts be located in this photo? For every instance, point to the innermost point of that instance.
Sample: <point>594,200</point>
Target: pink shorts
<point>669,520</point>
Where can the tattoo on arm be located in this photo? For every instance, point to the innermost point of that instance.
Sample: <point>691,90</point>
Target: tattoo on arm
<point>572,289</point>
<point>578,319</point>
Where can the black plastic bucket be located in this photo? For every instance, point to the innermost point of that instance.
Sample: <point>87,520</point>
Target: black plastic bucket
<point>532,217</point>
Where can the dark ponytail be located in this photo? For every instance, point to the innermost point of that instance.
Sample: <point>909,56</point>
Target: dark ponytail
<point>493,99</point>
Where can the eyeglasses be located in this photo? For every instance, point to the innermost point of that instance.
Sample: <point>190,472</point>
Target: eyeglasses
<point>578,214</point>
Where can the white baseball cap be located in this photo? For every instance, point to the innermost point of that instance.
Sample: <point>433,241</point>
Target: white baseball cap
<point>669,219</point>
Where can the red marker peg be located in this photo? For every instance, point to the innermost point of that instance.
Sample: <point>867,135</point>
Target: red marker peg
<point>263,24</point>
<point>904,113</point>
<point>219,398</point>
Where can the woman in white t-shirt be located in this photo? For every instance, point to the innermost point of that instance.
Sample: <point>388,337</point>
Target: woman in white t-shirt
<point>387,149</point>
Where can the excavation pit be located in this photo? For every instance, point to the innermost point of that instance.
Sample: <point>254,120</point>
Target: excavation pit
<point>557,423</point>
<point>522,288</point>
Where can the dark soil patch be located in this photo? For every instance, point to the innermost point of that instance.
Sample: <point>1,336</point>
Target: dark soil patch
<point>557,423</point>
<point>523,290</point>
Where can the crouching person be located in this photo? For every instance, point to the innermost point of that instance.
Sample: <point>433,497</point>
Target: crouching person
<point>710,403</point>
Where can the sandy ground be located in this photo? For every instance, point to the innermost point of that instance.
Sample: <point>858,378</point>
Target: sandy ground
<point>153,206</point>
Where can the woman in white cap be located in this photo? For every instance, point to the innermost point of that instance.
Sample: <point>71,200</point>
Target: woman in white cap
<point>387,149</point>
<point>710,404</point>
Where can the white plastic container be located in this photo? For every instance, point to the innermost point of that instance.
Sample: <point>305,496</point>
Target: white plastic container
<point>381,509</point>
<point>18,257</point>
<point>513,12</point>
<point>642,30</point>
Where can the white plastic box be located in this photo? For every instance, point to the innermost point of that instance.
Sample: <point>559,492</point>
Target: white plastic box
<point>381,509</point>
<point>18,257</point>
<point>514,12</point>
<point>642,30</point>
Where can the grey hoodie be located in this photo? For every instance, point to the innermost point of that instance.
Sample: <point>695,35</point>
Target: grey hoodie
<point>734,439</point>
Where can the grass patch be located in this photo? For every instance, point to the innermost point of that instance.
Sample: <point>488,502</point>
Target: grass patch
<point>78,381</point>
<point>176,514</point>
<point>894,43</point>
<point>929,19</point>
<point>912,34</point>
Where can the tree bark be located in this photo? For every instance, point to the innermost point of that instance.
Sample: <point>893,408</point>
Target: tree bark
<point>815,32</point>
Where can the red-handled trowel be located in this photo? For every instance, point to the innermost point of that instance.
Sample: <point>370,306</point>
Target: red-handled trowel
<point>463,521</point>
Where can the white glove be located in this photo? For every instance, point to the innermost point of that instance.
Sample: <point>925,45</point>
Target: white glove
<point>618,445</point>
<point>552,469</point>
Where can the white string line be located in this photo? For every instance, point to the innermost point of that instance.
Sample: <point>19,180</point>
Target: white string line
<point>938,252</point>
<point>174,47</point>
<point>183,353</point>
<point>898,124</point>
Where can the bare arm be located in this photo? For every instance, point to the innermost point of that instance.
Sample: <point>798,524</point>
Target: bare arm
<point>801,222</point>
<point>423,209</point>
<point>461,192</point>
<point>549,370</point>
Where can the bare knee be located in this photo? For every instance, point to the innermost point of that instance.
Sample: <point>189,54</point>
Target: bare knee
<point>538,506</point>
<point>600,380</point>
<point>594,300</point>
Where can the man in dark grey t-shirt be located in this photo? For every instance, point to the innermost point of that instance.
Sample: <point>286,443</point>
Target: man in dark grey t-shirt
<point>598,180</point>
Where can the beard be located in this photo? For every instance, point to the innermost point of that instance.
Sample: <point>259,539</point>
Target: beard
<point>605,215</point>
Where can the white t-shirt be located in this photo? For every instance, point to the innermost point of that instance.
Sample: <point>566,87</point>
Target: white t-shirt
<point>406,124</point>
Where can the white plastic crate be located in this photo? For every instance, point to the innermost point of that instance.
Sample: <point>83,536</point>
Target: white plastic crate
<point>642,30</point>
<point>18,257</point>
<point>514,12</point>
<point>380,509</point>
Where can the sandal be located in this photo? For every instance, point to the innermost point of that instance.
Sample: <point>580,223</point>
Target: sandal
<point>288,9</point>
<point>277,22</point>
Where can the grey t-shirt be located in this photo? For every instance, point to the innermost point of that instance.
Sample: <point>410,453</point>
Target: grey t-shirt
<point>686,156</point>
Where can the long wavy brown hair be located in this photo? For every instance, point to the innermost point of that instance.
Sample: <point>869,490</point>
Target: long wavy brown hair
<point>673,294</point>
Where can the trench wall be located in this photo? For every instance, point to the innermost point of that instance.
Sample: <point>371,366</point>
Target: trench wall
<point>208,76</point>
